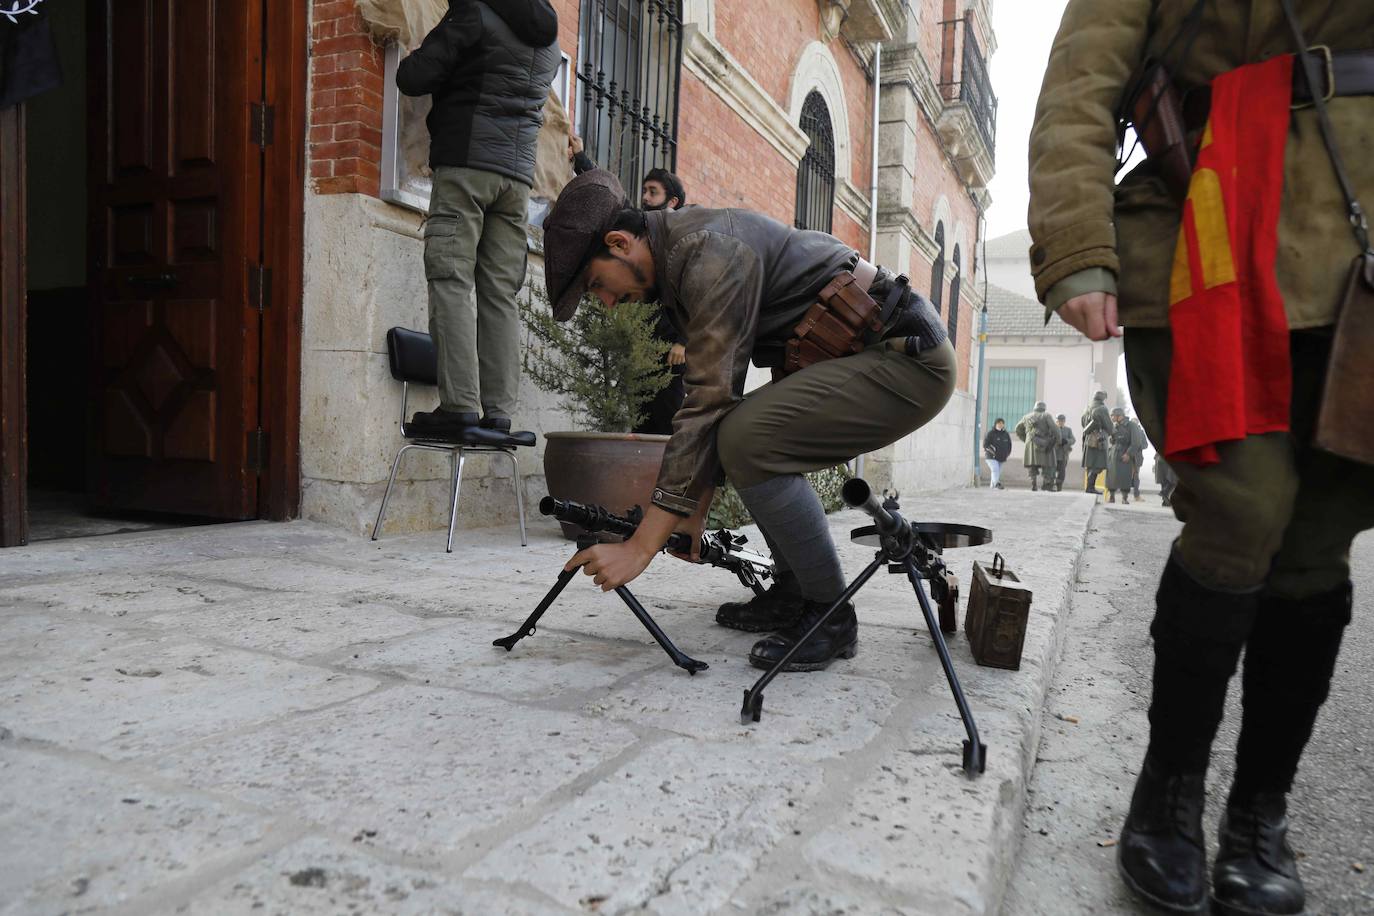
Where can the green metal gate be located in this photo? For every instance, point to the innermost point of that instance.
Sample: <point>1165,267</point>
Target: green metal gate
<point>1011,393</point>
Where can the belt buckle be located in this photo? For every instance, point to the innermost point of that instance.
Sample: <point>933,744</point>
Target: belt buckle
<point>1330,93</point>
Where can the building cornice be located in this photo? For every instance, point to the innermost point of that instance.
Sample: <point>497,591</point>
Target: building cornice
<point>905,221</point>
<point>853,201</point>
<point>905,65</point>
<point>709,62</point>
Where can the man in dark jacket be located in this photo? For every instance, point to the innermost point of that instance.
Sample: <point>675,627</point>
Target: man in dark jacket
<point>737,284</point>
<point>488,67</point>
<point>662,190</point>
<point>1066,444</point>
<point>996,450</point>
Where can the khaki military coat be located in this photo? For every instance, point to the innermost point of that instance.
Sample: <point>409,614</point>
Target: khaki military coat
<point>1097,424</point>
<point>1041,435</point>
<point>1085,226</point>
<point>1128,441</point>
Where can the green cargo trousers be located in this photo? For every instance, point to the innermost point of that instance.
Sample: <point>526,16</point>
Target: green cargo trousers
<point>475,238</point>
<point>1275,511</point>
<point>832,411</point>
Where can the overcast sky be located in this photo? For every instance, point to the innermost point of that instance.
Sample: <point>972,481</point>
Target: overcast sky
<point>1025,29</point>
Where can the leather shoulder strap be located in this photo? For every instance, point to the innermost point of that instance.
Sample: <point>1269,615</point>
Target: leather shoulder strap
<point>1359,223</point>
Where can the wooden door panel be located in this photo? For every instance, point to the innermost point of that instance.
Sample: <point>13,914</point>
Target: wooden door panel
<point>179,346</point>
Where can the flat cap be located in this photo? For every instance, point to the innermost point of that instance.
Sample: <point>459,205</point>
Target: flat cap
<point>580,217</point>
<point>1061,417</point>
<point>1118,412</point>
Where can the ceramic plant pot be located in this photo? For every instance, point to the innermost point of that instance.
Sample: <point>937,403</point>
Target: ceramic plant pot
<point>615,470</point>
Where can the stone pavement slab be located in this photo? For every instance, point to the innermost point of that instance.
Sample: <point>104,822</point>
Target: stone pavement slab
<point>326,728</point>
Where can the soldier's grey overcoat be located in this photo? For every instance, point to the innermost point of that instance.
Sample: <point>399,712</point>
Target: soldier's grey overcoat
<point>1097,426</point>
<point>1038,430</point>
<point>1126,439</point>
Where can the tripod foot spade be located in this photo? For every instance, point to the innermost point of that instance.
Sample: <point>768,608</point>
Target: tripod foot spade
<point>508,642</point>
<point>752,710</point>
<point>975,758</point>
<point>691,665</point>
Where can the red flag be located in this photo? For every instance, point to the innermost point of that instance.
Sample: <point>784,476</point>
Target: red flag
<point>1231,375</point>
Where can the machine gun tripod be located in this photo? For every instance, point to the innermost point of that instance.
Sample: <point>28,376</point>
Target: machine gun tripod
<point>720,548</point>
<point>904,547</point>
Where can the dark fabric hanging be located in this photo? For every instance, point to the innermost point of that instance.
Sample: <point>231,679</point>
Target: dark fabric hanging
<point>28,54</point>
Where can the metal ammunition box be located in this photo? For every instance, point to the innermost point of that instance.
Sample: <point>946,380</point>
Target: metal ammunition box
<point>998,612</point>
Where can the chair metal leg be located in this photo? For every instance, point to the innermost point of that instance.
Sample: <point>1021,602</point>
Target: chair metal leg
<point>391,482</point>
<point>519,496</point>
<point>458,459</point>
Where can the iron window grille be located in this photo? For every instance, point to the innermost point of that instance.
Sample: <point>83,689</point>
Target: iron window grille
<point>937,270</point>
<point>952,324</point>
<point>816,173</point>
<point>631,60</point>
<point>969,83</point>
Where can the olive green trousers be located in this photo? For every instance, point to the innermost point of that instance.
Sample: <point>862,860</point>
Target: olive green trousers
<point>1275,512</point>
<point>475,239</point>
<point>830,412</point>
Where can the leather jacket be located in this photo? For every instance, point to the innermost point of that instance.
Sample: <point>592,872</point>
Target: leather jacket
<point>736,283</point>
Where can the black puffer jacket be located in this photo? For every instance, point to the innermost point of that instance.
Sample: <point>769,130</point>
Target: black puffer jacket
<point>488,65</point>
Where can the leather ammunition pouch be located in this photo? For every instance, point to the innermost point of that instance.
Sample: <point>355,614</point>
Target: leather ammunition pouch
<point>842,322</point>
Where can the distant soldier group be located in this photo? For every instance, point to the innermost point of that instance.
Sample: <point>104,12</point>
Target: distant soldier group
<point>1048,443</point>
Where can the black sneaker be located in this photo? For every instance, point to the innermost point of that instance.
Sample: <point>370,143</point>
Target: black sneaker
<point>443,420</point>
<point>776,609</point>
<point>839,638</point>
<point>501,424</point>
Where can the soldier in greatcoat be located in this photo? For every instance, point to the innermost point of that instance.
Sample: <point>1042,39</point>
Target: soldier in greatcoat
<point>1097,426</point>
<point>1041,436</point>
<point>1125,451</point>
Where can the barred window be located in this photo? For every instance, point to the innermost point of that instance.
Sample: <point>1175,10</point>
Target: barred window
<point>937,270</point>
<point>953,323</point>
<point>631,58</point>
<point>816,174</point>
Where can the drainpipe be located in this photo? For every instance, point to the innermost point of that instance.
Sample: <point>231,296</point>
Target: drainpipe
<point>873,185</point>
<point>982,348</point>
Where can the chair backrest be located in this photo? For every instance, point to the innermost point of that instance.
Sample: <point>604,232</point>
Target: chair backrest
<point>413,356</point>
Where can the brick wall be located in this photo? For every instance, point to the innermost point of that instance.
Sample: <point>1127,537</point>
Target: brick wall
<point>345,144</point>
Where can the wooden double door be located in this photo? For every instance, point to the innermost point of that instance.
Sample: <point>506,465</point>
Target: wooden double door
<point>176,243</point>
<point>195,191</point>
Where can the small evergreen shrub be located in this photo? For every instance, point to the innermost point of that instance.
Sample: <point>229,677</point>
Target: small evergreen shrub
<point>604,364</point>
<point>727,510</point>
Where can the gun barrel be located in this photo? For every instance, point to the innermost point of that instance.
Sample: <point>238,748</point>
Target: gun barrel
<point>857,494</point>
<point>589,518</point>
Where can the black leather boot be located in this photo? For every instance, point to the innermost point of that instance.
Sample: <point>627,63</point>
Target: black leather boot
<point>1198,634</point>
<point>1162,856</point>
<point>776,609</point>
<point>1289,662</point>
<point>839,638</point>
<point>1256,873</point>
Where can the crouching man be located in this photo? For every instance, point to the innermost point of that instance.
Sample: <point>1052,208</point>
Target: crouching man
<point>738,285</point>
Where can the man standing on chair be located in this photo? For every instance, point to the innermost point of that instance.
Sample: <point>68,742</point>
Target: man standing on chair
<point>739,285</point>
<point>1230,306</point>
<point>488,67</point>
<point>662,190</point>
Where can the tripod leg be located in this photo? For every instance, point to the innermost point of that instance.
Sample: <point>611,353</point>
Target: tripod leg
<point>689,664</point>
<point>527,628</point>
<point>975,752</point>
<point>752,709</point>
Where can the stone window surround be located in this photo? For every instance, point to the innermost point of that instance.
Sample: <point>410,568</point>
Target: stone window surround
<point>708,60</point>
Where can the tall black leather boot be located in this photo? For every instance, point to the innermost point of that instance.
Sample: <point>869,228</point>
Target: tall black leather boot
<point>1289,662</point>
<point>777,608</point>
<point>1198,634</point>
<point>1092,482</point>
<point>839,638</point>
